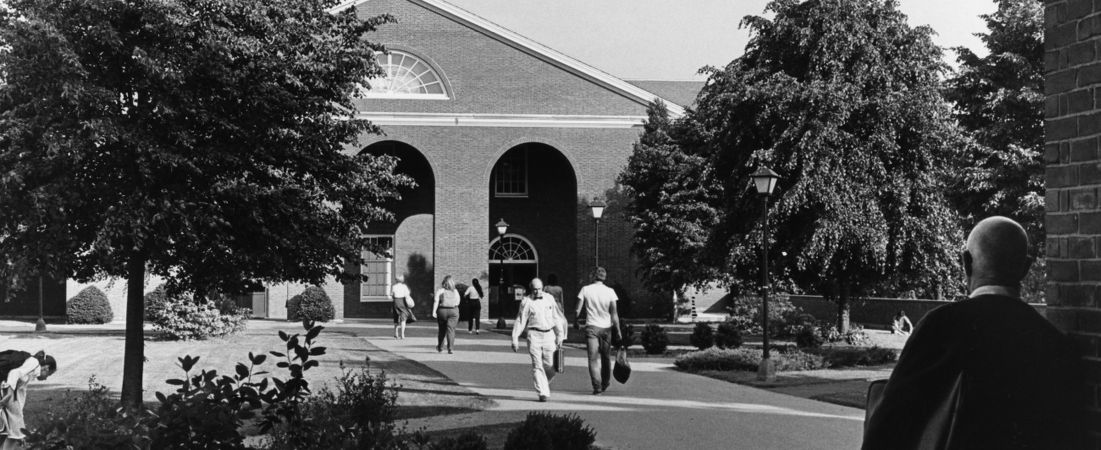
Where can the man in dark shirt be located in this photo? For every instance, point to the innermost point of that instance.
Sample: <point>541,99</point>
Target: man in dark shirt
<point>1010,375</point>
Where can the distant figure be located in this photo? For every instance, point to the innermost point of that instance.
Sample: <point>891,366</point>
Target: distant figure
<point>901,324</point>
<point>17,369</point>
<point>474,296</point>
<point>555,290</point>
<point>403,306</point>
<point>910,294</point>
<point>987,372</point>
<point>445,309</point>
<point>542,319</point>
<point>598,302</point>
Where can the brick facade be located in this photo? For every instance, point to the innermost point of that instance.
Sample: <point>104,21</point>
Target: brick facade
<point>1073,127</point>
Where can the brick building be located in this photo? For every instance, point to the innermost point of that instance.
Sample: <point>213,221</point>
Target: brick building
<point>1073,130</point>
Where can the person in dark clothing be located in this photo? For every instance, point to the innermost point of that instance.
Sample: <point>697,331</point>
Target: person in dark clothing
<point>473,297</point>
<point>1012,377</point>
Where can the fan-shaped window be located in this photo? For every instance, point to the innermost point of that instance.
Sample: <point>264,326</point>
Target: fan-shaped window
<point>512,249</point>
<point>406,76</point>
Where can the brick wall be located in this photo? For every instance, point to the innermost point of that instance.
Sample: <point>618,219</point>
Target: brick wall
<point>1073,126</point>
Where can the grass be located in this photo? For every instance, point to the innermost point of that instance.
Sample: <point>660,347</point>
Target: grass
<point>98,352</point>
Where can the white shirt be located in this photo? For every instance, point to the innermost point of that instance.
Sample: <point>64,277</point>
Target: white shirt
<point>541,314</point>
<point>597,300</point>
<point>472,293</point>
<point>399,290</point>
<point>24,374</point>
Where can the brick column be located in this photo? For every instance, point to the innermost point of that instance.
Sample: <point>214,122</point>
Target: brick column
<point>1073,127</point>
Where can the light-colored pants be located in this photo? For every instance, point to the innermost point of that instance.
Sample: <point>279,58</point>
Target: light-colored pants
<point>541,347</point>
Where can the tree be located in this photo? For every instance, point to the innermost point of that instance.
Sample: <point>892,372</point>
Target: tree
<point>842,98</point>
<point>671,204</point>
<point>203,141</point>
<point>999,101</point>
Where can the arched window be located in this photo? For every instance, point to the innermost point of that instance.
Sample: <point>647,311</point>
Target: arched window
<point>406,77</point>
<point>512,249</point>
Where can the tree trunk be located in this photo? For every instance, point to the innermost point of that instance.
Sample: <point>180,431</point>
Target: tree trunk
<point>843,308</point>
<point>134,356</point>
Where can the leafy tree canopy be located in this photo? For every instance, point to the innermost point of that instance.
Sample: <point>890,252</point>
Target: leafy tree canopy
<point>202,140</point>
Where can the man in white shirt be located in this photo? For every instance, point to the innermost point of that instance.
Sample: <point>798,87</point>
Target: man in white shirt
<point>540,317</point>
<point>13,394</point>
<point>601,326</point>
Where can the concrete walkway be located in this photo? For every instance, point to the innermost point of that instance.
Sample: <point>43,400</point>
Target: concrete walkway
<point>659,408</point>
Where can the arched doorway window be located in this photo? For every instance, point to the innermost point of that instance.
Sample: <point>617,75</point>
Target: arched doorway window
<point>513,258</point>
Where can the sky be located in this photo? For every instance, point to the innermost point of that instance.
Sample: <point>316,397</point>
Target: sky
<point>672,39</point>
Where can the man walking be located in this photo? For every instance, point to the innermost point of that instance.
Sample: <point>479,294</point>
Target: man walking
<point>985,372</point>
<point>601,326</point>
<point>541,318</point>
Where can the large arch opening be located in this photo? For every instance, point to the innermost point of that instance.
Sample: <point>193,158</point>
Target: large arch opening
<point>533,187</point>
<point>409,239</point>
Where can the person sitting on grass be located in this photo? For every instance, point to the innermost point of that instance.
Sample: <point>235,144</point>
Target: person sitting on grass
<point>901,324</point>
<point>17,369</point>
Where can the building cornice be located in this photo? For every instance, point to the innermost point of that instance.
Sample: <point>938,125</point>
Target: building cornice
<point>535,49</point>
<point>500,120</point>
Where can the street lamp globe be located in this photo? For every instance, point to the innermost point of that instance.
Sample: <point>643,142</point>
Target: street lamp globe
<point>597,205</point>
<point>502,227</point>
<point>764,179</point>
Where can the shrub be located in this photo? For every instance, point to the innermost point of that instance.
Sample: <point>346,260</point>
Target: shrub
<point>702,336</point>
<point>744,359</point>
<point>89,306</point>
<point>628,339</point>
<point>466,441</point>
<point>654,339</point>
<point>745,313</point>
<point>155,302</point>
<point>809,337</point>
<point>856,335</point>
<point>91,419</point>
<point>728,336</point>
<point>312,304</point>
<point>548,431</point>
<point>858,356</point>
<point>185,320</point>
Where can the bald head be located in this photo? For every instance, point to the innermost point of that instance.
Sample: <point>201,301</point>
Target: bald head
<point>997,253</point>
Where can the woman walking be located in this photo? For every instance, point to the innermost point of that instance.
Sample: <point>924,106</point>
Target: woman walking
<point>445,309</point>
<point>403,306</point>
<point>474,307</point>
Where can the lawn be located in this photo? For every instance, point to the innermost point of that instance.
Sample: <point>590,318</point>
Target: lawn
<point>97,351</point>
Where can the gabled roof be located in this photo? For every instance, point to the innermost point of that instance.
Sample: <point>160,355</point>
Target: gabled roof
<point>551,56</point>
<point>680,92</point>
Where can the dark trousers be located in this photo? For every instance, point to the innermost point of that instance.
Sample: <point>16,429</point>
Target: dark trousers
<point>598,344</point>
<point>475,319</point>
<point>446,318</point>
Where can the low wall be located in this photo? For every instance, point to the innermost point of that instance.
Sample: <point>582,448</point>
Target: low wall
<point>874,312</point>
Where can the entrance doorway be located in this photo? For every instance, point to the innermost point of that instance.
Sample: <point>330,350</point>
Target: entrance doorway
<point>513,257</point>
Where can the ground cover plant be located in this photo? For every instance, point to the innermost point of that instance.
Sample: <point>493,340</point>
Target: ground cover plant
<point>747,359</point>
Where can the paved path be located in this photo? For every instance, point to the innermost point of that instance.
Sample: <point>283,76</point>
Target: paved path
<point>659,408</point>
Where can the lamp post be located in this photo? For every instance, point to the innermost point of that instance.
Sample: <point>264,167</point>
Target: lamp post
<point>764,180</point>
<point>502,229</point>
<point>597,206</point>
<point>40,325</point>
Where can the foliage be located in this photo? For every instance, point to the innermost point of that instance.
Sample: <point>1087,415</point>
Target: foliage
<point>744,359</point>
<point>670,204</point>
<point>468,440</point>
<point>544,431</point>
<point>183,319</point>
<point>208,409</point>
<point>312,304</point>
<point>856,356</point>
<point>728,336</point>
<point>702,336</point>
<point>90,420</point>
<point>90,305</point>
<point>628,339</point>
<point>654,339</point>
<point>809,337</point>
<point>745,313</point>
<point>155,302</point>
<point>208,140</point>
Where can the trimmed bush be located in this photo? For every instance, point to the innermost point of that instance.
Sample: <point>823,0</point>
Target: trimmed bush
<point>466,441</point>
<point>312,304</point>
<point>809,337</point>
<point>89,306</point>
<point>155,301</point>
<point>702,336</point>
<point>185,320</point>
<point>745,359</point>
<point>548,431</point>
<point>728,336</point>
<point>628,339</point>
<point>654,339</point>
<point>745,313</point>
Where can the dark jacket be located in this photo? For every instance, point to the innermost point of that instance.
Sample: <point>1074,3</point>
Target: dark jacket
<point>1020,388</point>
